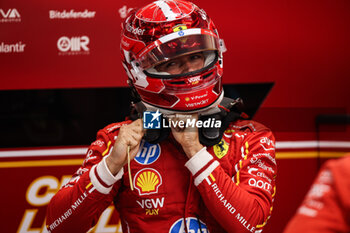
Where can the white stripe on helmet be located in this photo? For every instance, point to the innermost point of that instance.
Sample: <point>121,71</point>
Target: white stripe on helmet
<point>167,11</point>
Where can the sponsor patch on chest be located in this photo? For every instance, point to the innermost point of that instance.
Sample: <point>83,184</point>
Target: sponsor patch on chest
<point>148,153</point>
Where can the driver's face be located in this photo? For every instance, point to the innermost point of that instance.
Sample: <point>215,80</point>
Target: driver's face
<point>183,64</point>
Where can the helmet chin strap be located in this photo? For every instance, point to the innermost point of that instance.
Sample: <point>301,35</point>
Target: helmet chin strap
<point>230,111</point>
<point>227,111</point>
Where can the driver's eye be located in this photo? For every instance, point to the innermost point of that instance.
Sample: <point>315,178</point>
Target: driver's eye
<point>196,56</point>
<point>170,64</point>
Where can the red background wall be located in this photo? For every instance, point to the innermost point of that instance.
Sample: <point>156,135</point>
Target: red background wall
<point>301,45</point>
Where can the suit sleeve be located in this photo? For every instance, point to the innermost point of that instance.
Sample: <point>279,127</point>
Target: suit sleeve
<point>242,202</point>
<point>76,207</point>
<point>322,210</point>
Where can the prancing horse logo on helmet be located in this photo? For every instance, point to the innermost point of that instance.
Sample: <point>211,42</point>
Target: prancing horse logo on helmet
<point>179,28</point>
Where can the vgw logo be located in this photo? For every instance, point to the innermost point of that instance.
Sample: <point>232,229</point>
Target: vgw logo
<point>74,45</point>
<point>152,120</point>
<point>11,15</point>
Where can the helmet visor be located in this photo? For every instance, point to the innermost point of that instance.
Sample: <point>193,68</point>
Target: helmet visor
<point>175,48</point>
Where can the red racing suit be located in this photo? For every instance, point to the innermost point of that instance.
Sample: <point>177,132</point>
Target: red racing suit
<point>228,187</point>
<point>326,207</point>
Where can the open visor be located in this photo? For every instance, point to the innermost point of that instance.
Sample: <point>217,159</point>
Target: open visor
<point>163,52</point>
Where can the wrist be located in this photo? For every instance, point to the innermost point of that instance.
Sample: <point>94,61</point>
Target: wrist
<point>193,149</point>
<point>113,167</point>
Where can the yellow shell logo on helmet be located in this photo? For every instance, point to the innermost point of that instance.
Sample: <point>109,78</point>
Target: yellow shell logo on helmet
<point>147,181</point>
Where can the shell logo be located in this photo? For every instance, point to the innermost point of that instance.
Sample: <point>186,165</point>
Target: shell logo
<point>147,181</point>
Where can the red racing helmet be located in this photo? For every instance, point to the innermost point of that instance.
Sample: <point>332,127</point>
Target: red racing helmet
<point>164,30</point>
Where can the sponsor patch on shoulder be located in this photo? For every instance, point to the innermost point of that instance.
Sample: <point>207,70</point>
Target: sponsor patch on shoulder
<point>267,144</point>
<point>221,149</point>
